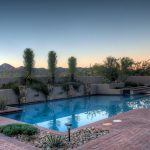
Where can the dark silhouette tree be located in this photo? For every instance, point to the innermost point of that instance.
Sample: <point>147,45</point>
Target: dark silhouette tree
<point>72,63</point>
<point>28,63</point>
<point>52,63</point>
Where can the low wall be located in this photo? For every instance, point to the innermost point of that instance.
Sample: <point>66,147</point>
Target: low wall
<point>31,96</point>
<point>104,89</point>
<point>59,93</point>
<point>34,96</point>
<point>90,79</point>
<point>84,79</point>
<point>139,79</point>
<point>44,79</point>
<point>11,97</point>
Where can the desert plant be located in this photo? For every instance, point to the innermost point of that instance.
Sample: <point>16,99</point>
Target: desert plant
<point>39,86</point>
<point>55,141</point>
<point>3,103</point>
<point>12,85</point>
<point>130,84</point>
<point>72,63</point>
<point>52,62</point>
<point>125,64</point>
<point>75,85</point>
<point>28,63</point>
<point>111,68</point>
<point>15,129</point>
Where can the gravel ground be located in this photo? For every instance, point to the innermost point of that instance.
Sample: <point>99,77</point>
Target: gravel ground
<point>78,138</point>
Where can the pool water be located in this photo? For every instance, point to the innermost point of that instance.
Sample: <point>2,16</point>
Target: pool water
<point>78,111</point>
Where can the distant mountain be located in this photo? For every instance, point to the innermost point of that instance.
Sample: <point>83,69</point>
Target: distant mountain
<point>6,70</point>
<point>6,67</point>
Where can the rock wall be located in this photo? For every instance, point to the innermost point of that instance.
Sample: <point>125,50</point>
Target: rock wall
<point>139,79</point>
<point>58,93</point>
<point>104,89</point>
<point>11,97</point>
<point>90,79</point>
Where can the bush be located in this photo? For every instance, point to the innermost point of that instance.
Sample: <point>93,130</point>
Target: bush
<point>15,129</point>
<point>3,103</point>
<point>75,85</point>
<point>130,84</point>
<point>39,86</point>
<point>12,85</point>
<point>55,141</point>
<point>133,84</point>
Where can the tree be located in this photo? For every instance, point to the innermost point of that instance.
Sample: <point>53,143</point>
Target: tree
<point>28,63</point>
<point>52,63</point>
<point>72,63</point>
<point>111,68</point>
<point>125,64</point>
<point>98,69</point>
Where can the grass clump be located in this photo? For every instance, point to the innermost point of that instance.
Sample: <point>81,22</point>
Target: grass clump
<point>55,141</point>
<point>16,129</point>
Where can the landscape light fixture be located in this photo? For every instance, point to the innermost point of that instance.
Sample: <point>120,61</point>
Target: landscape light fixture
<point>68,125</point>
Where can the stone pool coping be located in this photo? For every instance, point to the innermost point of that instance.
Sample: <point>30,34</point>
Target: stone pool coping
<point>10,109</point>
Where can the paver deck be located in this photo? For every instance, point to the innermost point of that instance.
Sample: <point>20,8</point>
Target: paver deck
<point>133,133</point>
<point>7,143</point>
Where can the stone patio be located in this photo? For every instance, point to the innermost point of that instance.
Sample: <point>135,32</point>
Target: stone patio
<point>133,133</point>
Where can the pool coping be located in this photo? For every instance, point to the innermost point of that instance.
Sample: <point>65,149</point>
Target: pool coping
<point>10,109</point>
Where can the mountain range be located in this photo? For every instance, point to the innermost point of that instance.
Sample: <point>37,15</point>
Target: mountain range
<point>7,70</point>
<point>19,71</point>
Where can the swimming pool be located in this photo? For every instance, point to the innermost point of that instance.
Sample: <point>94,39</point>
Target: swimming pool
<point>79,111</point>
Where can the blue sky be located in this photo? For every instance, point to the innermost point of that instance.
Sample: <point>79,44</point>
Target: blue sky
<point>87,29</point>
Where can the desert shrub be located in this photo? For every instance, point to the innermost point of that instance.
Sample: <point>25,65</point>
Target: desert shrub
<point>131,84</point>
<point>12,85</point>
<point>3,103</point>
<point>75,85</point>
<point>39,86</point>
<point>15,129</point>
<point>55,141</point>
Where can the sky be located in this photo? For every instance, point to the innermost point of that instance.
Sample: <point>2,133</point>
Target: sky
<point>90,30</point>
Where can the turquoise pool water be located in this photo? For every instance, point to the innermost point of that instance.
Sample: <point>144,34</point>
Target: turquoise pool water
<point>78,111</point>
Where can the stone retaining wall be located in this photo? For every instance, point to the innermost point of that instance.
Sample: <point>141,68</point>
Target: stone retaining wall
<point>104,89</point>
<point>10,95</point>
<point>140,79</point>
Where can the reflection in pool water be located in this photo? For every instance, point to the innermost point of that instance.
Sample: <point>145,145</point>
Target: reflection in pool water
<point>78,111</point>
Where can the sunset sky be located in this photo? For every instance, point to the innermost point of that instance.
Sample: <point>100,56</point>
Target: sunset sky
<point>90,30</point>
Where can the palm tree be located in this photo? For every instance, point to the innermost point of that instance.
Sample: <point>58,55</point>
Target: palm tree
<point>72,63</point>
<point>52,62</point>
<point>28,63</point>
